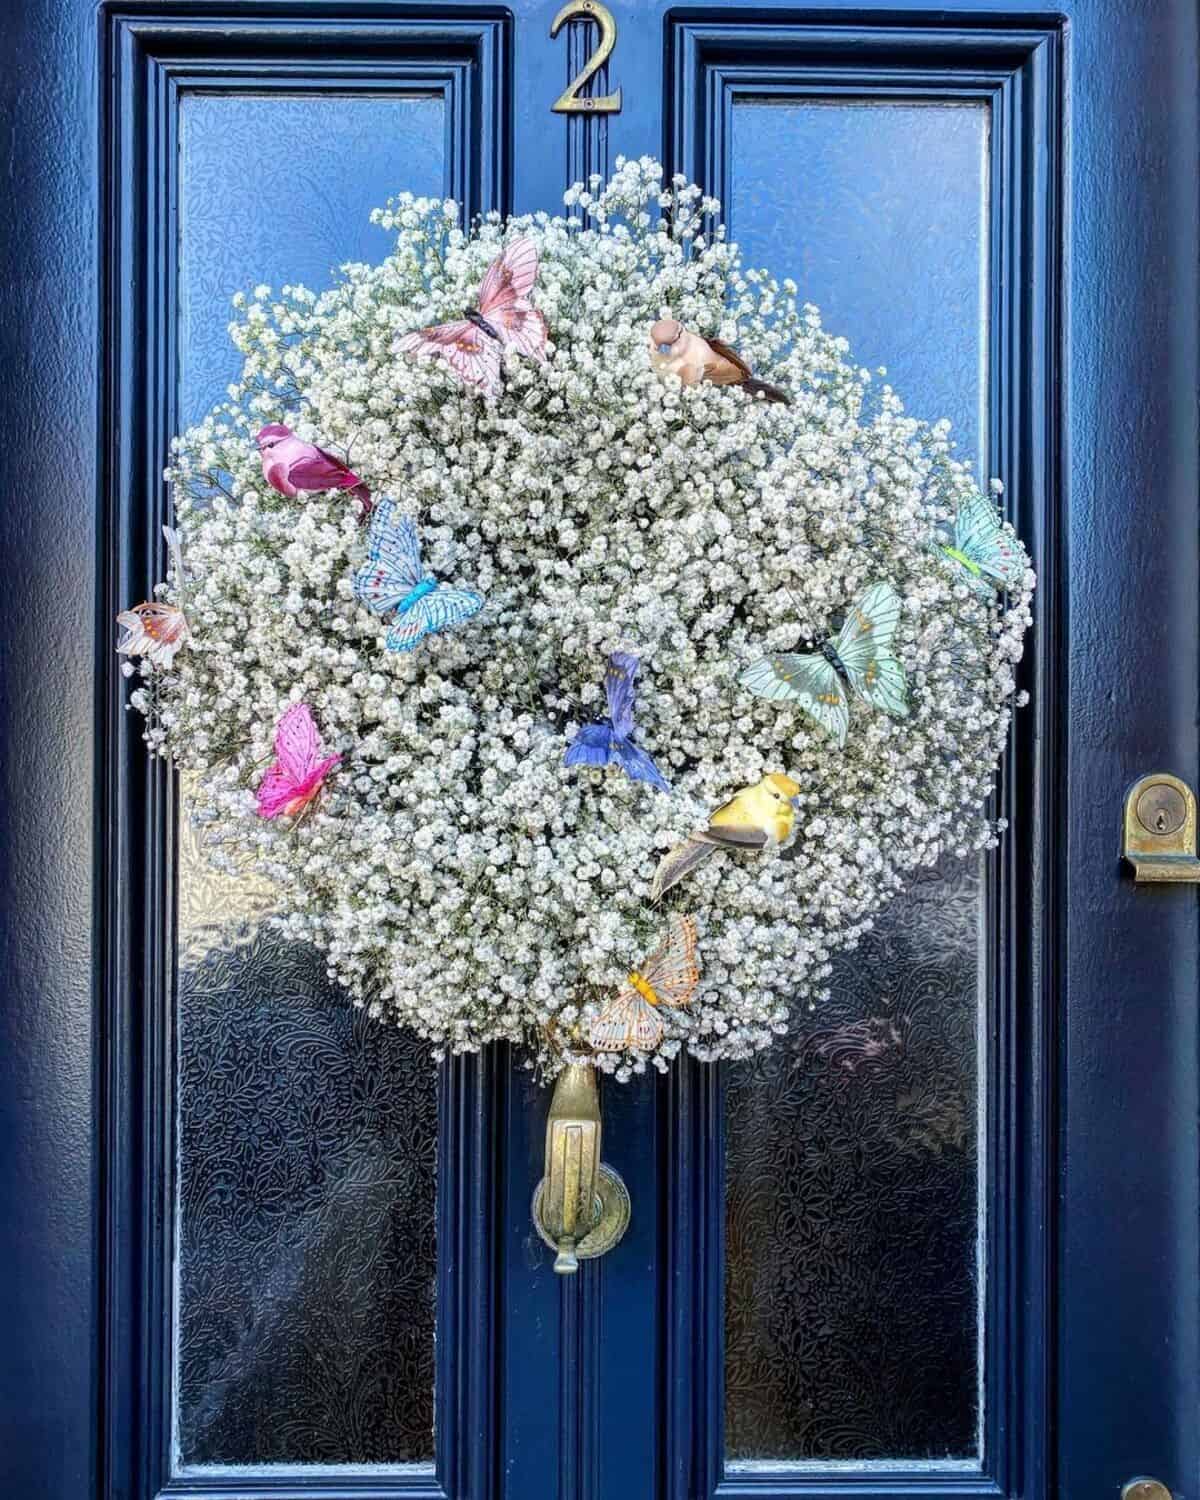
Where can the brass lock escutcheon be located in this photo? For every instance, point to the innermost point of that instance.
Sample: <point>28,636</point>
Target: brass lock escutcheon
<point>1159,834</point>
<point>581,1206</point>
<point>1145,1489</point>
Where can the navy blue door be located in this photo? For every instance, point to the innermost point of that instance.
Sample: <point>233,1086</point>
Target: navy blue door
<point>946,1241</point>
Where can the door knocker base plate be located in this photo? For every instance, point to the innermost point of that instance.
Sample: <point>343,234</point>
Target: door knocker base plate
<point>612,1215</point>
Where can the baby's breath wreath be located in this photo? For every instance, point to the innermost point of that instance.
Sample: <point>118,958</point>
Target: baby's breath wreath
<point>460,879</point>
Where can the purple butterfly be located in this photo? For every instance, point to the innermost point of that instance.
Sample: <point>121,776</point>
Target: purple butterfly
<point>609,741</point>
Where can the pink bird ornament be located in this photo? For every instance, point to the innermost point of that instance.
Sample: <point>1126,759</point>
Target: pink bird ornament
<point>299,769</point>
<point>675,350</point>
<point>290,465</point>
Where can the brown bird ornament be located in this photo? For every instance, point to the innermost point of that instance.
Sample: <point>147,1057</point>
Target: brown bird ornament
<point>676,350</point>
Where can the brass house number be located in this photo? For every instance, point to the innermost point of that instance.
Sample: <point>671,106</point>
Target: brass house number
<point>569,101</point>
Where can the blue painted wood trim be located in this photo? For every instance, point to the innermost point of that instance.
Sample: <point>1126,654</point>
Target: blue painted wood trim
<point>147,60</point>
<point>1016,67</point>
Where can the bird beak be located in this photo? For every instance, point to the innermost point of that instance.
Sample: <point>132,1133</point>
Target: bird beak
<point>795,801</point>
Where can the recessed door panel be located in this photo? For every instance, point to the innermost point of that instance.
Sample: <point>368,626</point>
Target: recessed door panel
<point>866,1183</point>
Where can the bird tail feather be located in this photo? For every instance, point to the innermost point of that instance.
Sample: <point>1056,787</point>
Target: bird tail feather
<point>765,389</point>
<point>366,505</point>
<point>678,863</point>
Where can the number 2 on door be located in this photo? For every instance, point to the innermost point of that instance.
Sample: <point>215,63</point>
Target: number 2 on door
<point>569,101</point>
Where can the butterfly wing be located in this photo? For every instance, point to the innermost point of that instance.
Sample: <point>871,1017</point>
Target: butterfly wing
<point>470,353</point>
<point>440,610</point>
<point>865,646</point>
<point>980,537</point>
<point>278,792</point>
<point>807,680</point>
<point>275,791</point>
<point>297,743</point>
<point>619,678</point>
<point>592,746</point>
<point>672,971</point>
<point>627,1022</point>
<point>393,563</point>
<point>637,765</point>
<point>525,330</point>
<point>152,630</point>
<point>510,277</point>
<point>504,300</point>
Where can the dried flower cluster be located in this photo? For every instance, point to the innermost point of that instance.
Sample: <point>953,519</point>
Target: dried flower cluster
<point>459,878</point>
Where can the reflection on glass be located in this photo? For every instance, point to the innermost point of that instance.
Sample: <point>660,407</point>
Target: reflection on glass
<point>307,1134</point>
<point>902,274</point>
<point>852,1228</point>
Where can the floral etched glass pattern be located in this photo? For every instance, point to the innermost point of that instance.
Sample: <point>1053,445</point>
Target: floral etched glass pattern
<point>306,1252</point>
<point>279,189</point>
<point>307,1133</point>
<point>854,1221</point>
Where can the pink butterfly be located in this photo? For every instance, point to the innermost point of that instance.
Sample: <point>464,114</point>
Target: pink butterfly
<point>153,630</point>
<point>295,777</point>
<point>474,346</point>
<point>157,630</point>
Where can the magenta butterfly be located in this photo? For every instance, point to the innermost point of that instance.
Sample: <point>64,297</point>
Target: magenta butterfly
<point>474,345</point>
<point>295,776</point>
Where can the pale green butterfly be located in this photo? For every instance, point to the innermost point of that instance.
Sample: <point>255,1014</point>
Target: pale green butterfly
<point>861,658</point>
<point>983,548</point>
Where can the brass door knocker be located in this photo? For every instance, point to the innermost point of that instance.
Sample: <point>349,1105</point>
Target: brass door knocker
<point>581,1206</point>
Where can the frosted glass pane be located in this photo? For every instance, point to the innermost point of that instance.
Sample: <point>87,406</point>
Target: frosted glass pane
<point>854,1220</point>
<point>278,189</point>
<point>306,1257</point>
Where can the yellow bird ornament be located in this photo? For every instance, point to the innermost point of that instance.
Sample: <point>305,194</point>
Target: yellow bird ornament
<point>675,350</point>
<point>758,817</point>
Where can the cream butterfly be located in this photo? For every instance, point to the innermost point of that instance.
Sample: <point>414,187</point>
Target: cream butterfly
<point>631,1020</point>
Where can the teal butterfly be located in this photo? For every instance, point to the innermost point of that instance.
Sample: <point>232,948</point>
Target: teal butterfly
<point>860,659</point>
<point>980,546</point>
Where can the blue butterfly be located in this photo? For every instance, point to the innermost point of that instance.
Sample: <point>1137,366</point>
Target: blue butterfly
<point>608,742</point>
<point>392,578</point>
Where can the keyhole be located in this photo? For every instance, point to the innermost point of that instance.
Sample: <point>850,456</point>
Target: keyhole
<point>1161,810</point>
